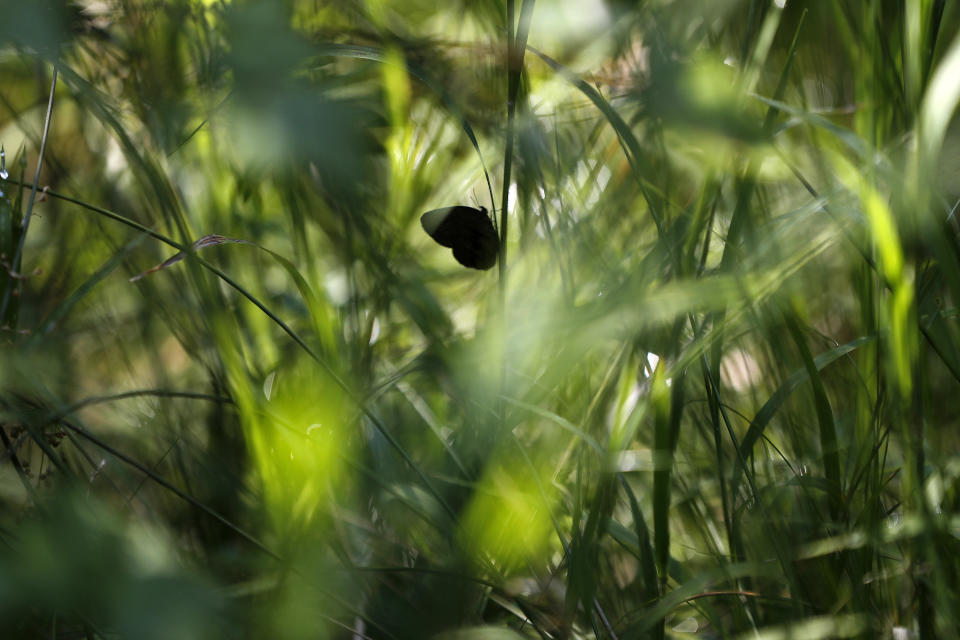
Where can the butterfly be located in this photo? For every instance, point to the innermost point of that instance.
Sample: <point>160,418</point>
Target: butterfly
<point>468,231</point>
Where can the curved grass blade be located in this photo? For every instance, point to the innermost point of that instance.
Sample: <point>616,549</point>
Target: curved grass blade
<point>377,55</point>
<point>337,378</point>
<point>773,404</point>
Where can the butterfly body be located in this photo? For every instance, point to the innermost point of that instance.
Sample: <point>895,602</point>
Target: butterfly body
<point>468,231</point>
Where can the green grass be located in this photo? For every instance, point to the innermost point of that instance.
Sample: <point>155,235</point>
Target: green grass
<point>709,390</point>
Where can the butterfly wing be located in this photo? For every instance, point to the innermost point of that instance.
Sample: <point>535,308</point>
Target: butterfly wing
<point>467,231</point>
<point>477,249</point>
<point>441,224</point>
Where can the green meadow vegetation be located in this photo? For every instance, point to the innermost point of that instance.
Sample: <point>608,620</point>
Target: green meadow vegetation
<point>710,388</point>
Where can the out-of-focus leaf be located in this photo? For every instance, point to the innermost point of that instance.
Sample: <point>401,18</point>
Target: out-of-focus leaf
<point>40,25</point>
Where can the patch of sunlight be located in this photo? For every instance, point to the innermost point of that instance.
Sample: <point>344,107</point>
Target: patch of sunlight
<point>561,23</point>
<point>507,520</point>
<point>689,625</point>
<point>635,460</point>
<point>740,371</point>
<point>295,435</point>
<point>940,102</point>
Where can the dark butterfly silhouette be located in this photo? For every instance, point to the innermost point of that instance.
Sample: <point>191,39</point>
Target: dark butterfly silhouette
<point>467,231</point>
